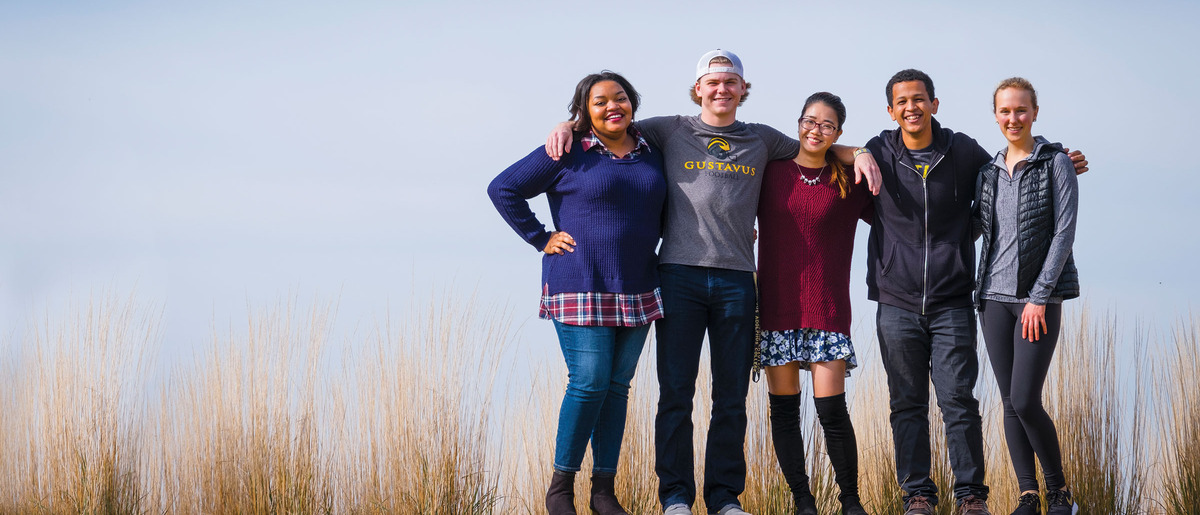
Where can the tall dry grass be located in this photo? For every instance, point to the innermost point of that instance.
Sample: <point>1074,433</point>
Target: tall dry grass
<point>1100,430</point>
<point>434,412</point>
<point>73,408</point>
<point>1177,394</point>
<point>239,431</point>
<point>417,435</point>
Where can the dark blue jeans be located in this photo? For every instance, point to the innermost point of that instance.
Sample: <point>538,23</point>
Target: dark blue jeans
<point>600,364</point>
<point>912,346</point>
<point>721,302</point>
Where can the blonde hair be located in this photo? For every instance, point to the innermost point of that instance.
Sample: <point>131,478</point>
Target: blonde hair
<point>1015,83</point>
<point>720,59</point>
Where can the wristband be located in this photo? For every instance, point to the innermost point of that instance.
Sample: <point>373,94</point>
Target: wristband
<point>861,151</point>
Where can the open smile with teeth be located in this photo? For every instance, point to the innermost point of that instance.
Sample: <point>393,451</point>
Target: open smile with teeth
<point>913,117</point>
<point>615,117</point>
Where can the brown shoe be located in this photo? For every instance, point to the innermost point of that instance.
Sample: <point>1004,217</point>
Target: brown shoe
<point>972,505</point>
<point>918,505</point>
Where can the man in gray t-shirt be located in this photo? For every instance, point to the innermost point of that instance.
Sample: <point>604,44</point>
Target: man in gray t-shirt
<point>713,176</point>
<point>714,165</point>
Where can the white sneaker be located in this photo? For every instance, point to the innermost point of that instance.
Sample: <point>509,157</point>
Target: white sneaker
<point>732,509</point>
<point>678,509</point>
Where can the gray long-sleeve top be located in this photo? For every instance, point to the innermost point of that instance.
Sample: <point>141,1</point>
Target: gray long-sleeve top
<point>1000,283</point>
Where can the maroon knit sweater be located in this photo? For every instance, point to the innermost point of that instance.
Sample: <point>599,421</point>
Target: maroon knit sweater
<point>805,242</point>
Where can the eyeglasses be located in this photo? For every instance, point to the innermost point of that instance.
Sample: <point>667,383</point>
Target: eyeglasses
<point>809,124</point>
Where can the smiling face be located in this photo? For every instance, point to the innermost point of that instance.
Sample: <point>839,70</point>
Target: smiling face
<point>818,116</point>
<point>609,109</point>
<point>1015,114</point>
<point>720,93</point>
<point>913,110</point>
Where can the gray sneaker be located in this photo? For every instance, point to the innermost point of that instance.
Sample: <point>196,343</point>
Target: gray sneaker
<point>677,509</point>
<point>732,509</point>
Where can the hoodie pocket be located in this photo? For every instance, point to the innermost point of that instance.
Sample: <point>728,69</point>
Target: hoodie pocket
<point>949,270</point>
<point>903,269</point>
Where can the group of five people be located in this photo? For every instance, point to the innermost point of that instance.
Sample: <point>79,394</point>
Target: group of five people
<point>699,183</point>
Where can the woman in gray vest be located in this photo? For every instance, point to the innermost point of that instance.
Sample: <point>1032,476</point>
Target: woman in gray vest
<point>1026,216</point>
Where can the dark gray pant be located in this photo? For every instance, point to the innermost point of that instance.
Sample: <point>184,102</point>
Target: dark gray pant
<point>1021,367</point>
<point>913,346</point>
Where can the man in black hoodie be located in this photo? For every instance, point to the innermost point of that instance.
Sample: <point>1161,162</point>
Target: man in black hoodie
<point>920,259</point>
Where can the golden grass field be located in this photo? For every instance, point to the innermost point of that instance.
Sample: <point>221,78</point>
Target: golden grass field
<point>423,413</point>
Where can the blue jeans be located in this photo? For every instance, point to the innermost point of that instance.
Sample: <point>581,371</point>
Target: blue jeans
<point>913,345</point>
<point>600,364</point>
<point>720,301</point>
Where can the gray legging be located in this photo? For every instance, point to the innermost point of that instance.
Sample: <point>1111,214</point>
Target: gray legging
<point>1021,367</point>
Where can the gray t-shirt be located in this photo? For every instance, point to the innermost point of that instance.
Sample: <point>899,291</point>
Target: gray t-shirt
<point>922,159</point>
<point>713,180</point>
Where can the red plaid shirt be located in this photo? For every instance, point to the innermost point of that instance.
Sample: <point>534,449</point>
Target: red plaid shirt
<point>602,309</point>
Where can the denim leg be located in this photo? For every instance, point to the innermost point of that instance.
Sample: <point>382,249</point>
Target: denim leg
<point>680,336</point>
<point>731,345</point>
<point>588,351</point>
<point>955,371</point>
<point>904,345</point>
<point>610,424</point>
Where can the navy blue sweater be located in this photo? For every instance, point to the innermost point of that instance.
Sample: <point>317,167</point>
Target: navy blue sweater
<point>613,208</point>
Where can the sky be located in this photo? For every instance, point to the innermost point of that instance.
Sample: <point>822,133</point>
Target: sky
<point>215,158</point>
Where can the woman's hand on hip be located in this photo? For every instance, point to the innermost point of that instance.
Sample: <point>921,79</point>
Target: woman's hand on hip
<point>559,241</point>
<point>1033,318</point>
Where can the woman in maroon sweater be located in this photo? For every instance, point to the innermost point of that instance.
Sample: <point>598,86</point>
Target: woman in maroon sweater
<point>807,216</point>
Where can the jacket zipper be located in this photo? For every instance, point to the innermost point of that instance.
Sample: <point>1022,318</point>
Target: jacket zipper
<point>925,195</point>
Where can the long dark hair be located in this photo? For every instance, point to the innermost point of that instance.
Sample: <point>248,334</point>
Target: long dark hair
<point>579,103</point>
<point>839,177</point>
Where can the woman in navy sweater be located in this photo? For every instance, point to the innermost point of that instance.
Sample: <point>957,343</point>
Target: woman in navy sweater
<point>599,272</point>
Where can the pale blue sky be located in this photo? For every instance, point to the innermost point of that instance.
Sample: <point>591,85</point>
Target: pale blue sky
<point>222,155</point>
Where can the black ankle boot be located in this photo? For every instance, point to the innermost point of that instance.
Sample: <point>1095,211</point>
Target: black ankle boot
<point>789,449</point>
<point>560,497</point>
<point>604,496</point>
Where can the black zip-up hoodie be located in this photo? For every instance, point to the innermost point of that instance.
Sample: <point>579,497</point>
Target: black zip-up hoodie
<point>921,256</point>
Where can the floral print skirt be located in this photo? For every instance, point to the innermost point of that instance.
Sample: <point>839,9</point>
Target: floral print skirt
<point>806,346</point>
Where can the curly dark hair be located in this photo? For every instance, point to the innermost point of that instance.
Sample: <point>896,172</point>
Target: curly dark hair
<point>909,75</point>
<point>579,103</point>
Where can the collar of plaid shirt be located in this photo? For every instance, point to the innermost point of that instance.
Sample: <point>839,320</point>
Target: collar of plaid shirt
<point>591,141</point>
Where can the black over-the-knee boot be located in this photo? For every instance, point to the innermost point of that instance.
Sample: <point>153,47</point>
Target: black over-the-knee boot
<point>842,447</point>
<point>789,449</point>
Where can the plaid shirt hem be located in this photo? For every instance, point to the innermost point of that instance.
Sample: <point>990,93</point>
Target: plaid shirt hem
<point>602,309</point>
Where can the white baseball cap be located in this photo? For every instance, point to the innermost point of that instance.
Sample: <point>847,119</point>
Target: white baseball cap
<point>702,67</point>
